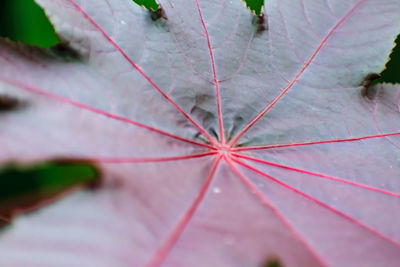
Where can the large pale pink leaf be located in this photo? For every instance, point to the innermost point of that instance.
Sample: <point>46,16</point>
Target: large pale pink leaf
<point>223,143</point>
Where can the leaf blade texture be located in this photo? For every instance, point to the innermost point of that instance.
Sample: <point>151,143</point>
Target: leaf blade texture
<point>222,143</point>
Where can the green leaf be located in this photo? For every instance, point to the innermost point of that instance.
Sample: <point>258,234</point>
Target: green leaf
<point>26,187</point>
<point>25,21</point>
<point>149,4</point>
<point>392,72</point>
<point>255,5</point>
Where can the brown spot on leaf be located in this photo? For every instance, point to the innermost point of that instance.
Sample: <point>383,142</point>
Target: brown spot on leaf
<point>158,14</point>
<point>260,22</point>
<point>368,90</point>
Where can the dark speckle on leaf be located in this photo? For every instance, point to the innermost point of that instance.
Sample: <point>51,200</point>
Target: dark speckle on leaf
<point>213,132</point>
<point>260,22</point>
<point>367,88</point>
<point>8,103</point>
<point>65,52</point>
<point>237,123</point>
<point>158,14</point>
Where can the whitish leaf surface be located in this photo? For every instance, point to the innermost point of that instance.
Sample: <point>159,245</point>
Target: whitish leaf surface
<point>224,139</point>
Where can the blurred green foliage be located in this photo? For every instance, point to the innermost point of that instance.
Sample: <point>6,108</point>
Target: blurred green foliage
<point>273,263</point>
<point>44,179</point>
<point>23,187</point>
<point>25,21</point>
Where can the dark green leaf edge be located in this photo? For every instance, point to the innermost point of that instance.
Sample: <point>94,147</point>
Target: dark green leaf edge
<point>148,4</point>
<point>255,6</point>
<point>27,187</point>
<point>391,71</point>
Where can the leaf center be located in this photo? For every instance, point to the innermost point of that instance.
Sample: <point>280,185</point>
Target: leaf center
<point>224,150</point>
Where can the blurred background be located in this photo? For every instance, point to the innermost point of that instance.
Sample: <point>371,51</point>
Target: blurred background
<point>25,186</point>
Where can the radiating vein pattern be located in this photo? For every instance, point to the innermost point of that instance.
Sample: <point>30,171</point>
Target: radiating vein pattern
<point>287,183</point>
<point>316,174</point>
<point>99,112</point>
<point>339,213</point>
<point>351,139</point>
<point>294,80</point>
<point>148,160</point>
<point>168,244</point>
<point>220,120</point>
<point>143,74</point>
<point>278,214</point>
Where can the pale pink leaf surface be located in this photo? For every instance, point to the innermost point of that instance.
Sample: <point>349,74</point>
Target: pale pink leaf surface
<point>221,144</point>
